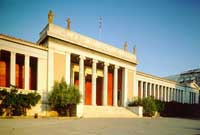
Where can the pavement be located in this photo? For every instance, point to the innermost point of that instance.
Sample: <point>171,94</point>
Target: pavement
<point>100,126</point>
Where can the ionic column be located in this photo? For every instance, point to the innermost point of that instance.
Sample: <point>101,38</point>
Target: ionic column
<point>27,68</point>
<point>164,93</point>
<point>72,76</point>
<point>183,96</point>
<point>141,89</point>
<point>161,93</point>
<point>154,91</point>
<point>145,90</point>
<point>105,84</point>
<point>81,74</point>
<point>167,94</point>
<point>94,76</point>
<point>125,84</point>
<point>79,111</point>
<point>115,85</point>
<point>158,90</point>
<point>150,88</point>
<point>12,68</point>
<point>67,67</point>
<point>174,94</point>
<point>197,98</point>
<point>170,94</point>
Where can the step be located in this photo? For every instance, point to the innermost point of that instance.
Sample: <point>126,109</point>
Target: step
<point>107,112</point>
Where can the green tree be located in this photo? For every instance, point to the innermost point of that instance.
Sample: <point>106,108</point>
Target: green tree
<point>63,97</point>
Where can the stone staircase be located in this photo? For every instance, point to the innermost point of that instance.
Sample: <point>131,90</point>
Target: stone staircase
<point>107,112</point>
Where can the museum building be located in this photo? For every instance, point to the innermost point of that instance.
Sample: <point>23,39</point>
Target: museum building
<point>105,75</point>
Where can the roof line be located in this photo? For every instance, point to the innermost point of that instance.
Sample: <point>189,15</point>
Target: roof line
<point>21,41</point>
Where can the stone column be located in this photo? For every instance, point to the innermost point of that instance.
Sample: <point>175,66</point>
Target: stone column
<point>174,94</point>
<point>67,67</point>
<point>27,69</point>
<point>12,68</point>
<point>81,85</point>
<point>105,83</point>
<point>125,84</point>
<point>141,89</point>
<point>161,93</point>
<point>154,91</point>
<point>158,90</point>
<point>81,73</point>
<point>150,88</point>
<point>72,76</point>
<point>115,85</point>
<point>145,90</point>
<point>167,94</point>
<point>183,98</point>
<point>164,93</point>
<point>94,76</point>
<point>197,98</point>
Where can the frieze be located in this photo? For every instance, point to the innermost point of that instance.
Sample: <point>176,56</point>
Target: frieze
<point>76,38</point>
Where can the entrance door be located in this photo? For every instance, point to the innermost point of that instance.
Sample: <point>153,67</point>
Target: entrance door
<point>88,90</point>
<point>99,91</point>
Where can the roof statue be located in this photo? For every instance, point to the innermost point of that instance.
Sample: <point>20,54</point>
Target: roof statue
<point>50,16</point>
<point>68,24</point>
<point>126,46</point>
<point>134,49</point>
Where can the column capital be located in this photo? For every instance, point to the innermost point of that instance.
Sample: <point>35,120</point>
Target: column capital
<point>106,64</point>
<point>13,52</point>
<point>94,61</point>
<point>67,52</point>
<point>116,67</point>
<point>26,55</point>
<point>82,57</point>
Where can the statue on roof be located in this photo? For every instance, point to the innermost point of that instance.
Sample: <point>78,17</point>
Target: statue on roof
<point>50,16</point>
<point>68,24</point>
<point>134,49</point>
<point>126,46</point>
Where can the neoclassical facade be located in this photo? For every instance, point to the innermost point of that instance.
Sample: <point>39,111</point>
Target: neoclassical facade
<point>105,75</point>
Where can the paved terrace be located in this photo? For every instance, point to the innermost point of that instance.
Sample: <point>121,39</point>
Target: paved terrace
<point>143,126</point>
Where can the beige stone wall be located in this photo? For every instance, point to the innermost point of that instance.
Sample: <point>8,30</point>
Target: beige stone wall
<point>130,85</point>
<point>59,66</point>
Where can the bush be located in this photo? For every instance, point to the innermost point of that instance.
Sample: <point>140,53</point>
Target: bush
<point>149,106</point>
<point>135,102</point>
<point>16,104</point>
<point>63,98</point>
<point>160,105</point>
<point>148,103</point>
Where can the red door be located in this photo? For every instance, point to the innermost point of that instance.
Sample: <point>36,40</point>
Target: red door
<point>88,93</point>
<point>99,91</point>
<point>110,89</point>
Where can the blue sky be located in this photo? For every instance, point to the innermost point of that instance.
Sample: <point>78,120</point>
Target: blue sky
<point>166,32</point>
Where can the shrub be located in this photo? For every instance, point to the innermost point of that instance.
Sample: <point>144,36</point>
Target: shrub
<point>135,102</point>
<point>160,105</point>
<point>149,106</point>
<point>15,104</point>
<point>63,98</point>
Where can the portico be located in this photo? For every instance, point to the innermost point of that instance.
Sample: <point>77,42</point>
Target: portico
<point>101,83</point>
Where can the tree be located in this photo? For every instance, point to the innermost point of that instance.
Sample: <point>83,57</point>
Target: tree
<point>63,97</point>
